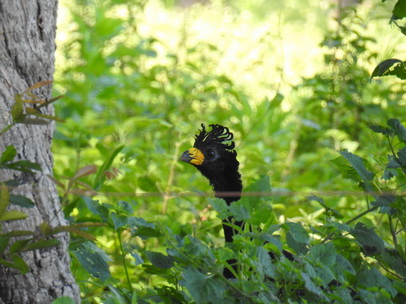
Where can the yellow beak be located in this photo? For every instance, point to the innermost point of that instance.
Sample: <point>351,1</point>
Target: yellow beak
<point>193,156</point>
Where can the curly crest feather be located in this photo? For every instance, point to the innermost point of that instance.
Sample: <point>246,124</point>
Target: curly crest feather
<point>218,134</point>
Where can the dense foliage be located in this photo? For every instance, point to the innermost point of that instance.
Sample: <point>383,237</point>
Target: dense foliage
<point>330,157</point>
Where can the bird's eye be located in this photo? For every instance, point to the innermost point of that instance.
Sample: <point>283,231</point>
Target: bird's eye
<point>211,154</point>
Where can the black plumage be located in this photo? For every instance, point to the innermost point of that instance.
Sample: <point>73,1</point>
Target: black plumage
<point>217,161</point>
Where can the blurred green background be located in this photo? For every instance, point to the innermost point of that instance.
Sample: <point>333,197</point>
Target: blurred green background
<point>291,79</point>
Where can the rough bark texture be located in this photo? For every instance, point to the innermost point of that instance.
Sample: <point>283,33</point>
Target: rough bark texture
<point>27,34</point>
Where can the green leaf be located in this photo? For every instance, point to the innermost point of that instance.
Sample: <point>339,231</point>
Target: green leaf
<point>138,259</point>
<point>399,129</point>
<point>330,211</point>
<point>6,128</point>
<point>19,264</point>
<point>4,241</point>
<point>142,228</point>
<point>400,286</point>
<point>23,165</point>
<point>17,233</point>
<point>368,238</point>
<point>125,207</point>
<point>298,232</point>
<point>21,201</point>
<point>265,262</point>
<point>383,67</point>
<point>35,121</point>
<point>41,244</point>
<point>398,70</point>
<point>64,300</point>
<point>323,254</point>
<point>13,215</point>
<point>94,260</point>
<point>8,154</point>
<point>342,267</point>
<point>19,245</point>
<point>380,129</point>
<point>296,237</point>
<point>96,208</point>
<point>399,11</point>
<point>221,207</point>
<point>373,278</point>
<point>348,171</point>
<point>17,109</point>
<point>159,260</point>
<point>310,286</point>
<point>239,211</point>
<point>203,288</point>
<point>394,261</point>
<point>402,156</point>
<point>262,185</point>
<point>100,176</point>
<point>119,220</point>
<point>4,199</point>
<point>358,164</point>
<point>384,202</point>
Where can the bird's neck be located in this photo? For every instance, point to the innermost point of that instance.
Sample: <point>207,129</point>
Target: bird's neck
<point>229,189</point>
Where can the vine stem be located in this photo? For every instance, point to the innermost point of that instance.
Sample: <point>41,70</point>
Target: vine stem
<point>171,177</point>
<point>124,262</point>
<point>350,221</point>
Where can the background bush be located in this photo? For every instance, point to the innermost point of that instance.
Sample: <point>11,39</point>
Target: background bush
<point>292,81</point>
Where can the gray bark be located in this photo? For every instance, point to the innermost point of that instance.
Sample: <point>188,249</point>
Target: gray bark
<point>27,46</point>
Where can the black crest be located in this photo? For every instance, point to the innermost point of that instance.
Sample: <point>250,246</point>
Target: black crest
<point>218,134</point>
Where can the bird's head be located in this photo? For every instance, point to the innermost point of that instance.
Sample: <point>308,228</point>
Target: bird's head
<point>216,160</point>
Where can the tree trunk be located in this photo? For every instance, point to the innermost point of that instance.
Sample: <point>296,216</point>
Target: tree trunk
<point>27,46</point>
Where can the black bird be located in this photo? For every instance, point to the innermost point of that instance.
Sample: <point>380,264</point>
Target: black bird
<point>217,161</point>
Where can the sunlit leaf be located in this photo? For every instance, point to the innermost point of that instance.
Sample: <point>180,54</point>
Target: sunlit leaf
<point>358,164</point>
<point>17,110</point>
<point>94,260</point>
<point>8,154</point>
<point>383,67</point>
<point>13,215</point>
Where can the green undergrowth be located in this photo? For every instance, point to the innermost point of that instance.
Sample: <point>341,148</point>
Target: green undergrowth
<point>320,131</point>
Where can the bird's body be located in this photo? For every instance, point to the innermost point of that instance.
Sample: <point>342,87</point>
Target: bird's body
<point>217,161</point>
